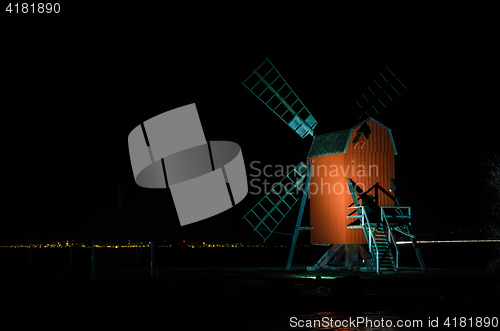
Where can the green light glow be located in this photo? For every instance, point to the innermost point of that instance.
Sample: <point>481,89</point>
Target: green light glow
<point>375,109</point>
<point>377,83</point>
<point>371,90</point>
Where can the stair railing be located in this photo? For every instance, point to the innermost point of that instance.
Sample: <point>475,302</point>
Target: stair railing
<point>365,223</point>
<point>384,216</point>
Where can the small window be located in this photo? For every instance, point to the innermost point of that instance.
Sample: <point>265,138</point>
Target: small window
<point>360,140</point>
<point>361,136</point>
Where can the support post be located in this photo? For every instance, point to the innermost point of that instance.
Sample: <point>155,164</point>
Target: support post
<point>397,258</point>
<point>409,227</point>
<point>420,258</point>
<point>154,274</point>
<point>93,268</point>
<point>151,262</point>
<point>30,257</point>
<point>299,218</point>
<point>332,251</point>
<point>417,252</point>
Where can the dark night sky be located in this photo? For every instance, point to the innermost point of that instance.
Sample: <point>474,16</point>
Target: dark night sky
<point>73,87</point>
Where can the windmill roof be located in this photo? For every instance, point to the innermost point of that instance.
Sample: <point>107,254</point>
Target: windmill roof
<point>329,143</point>
<point>336,142</point>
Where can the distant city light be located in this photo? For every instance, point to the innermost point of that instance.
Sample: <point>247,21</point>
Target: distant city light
<point>197,244</point>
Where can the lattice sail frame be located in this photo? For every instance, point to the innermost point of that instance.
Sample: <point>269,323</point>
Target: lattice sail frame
<point>267,84</point>
<point>274,206</point>
<point>378,95</point>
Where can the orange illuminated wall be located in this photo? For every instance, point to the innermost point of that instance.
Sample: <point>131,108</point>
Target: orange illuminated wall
<point>368,159</point>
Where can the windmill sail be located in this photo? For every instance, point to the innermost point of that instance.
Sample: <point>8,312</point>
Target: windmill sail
<point>267,84</point>
<point>379,93</point>
<point>268,213</point>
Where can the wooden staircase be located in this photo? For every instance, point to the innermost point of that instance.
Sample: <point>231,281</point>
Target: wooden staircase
<point>386,258</point>
<point>379,236</point>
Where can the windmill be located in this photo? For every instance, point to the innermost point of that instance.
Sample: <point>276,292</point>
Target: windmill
<point>350,207</point>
